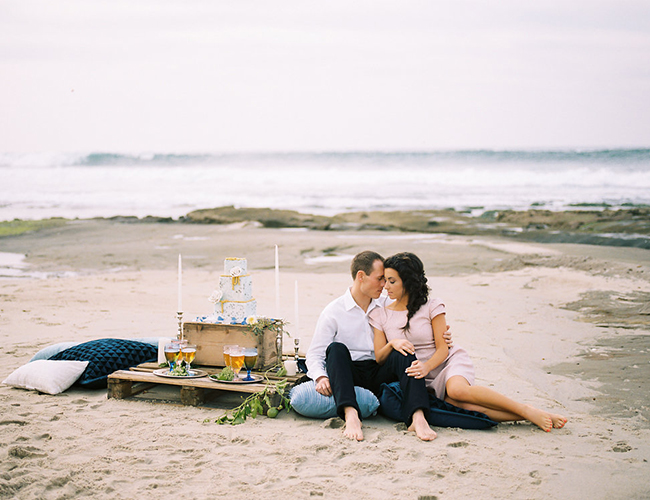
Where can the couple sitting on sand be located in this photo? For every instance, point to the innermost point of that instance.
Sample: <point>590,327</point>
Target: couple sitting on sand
<point>365,339</point>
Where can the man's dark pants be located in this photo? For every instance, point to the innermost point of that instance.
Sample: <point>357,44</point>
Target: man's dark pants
<point>344,374</point>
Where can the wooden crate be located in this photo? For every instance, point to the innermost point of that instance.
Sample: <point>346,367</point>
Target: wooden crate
<point>210,339</point>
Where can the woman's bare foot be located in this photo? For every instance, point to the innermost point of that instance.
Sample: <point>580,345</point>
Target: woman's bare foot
<point>420,426</point>
<point>558,420</point>
<point>352,424</point>
<point>538,417</point>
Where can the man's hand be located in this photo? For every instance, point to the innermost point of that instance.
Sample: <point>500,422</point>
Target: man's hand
<point>323,386</point>
<point>447,337</point>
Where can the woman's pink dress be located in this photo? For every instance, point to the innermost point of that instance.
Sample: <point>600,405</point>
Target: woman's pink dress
<point>420,334</point>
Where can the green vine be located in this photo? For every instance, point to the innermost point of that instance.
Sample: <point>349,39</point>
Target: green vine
<point>254,404</point>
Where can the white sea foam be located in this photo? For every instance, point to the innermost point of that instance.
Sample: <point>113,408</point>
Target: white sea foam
<point>103,185</point>
<point>13,265</point>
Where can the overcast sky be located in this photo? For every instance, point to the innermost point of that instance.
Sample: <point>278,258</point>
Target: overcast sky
<point>237,75</point>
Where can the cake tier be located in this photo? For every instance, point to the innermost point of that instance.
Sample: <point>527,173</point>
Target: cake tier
<point>231,262</point>
<point>239,289</point>
<point>234,312</point>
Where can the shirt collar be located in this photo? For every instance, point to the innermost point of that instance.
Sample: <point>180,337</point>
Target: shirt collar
<point>350,303</point>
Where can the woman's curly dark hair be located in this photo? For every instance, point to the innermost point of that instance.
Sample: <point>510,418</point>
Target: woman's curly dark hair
<point>411,272</point>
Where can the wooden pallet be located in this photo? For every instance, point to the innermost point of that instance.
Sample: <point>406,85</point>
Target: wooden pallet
<point>123,384</point>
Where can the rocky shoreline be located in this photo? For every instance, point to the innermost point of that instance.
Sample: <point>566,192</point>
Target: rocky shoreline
<point>623,227</point>
<point>628,227</point>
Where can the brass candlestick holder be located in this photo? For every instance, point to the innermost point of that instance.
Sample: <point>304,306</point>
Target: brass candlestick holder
<point>278,344</point>
<point>179,317</point>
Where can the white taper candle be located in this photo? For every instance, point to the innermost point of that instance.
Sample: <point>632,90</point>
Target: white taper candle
<point>296,313</point>
<point>180,284</point>
<point>277,283</point>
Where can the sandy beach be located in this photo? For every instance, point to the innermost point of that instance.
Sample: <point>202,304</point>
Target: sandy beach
<point>564,327</point>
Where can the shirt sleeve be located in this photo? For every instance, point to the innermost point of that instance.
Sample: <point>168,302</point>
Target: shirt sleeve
<point>326,329</point>
<point>436,308</point>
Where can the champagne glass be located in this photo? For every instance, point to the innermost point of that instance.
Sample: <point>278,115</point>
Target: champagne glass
<point>226,355</point>
<point>236,359</point>
<point>180,343</point>
<point>172,352</point>
<point>188,351</point>
<point>250,358</point>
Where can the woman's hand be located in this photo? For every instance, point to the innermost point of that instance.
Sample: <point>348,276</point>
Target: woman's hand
<point>418,369</point>
<point>402,346</point>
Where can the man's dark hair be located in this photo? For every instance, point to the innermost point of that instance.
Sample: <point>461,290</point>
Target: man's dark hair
<point>363,262</point>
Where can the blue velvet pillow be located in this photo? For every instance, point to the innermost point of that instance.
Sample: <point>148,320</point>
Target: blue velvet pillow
<point>441,413</point>
<point>51,350</point>
<point>147,340</point>
<point>105,356</point>
<point>309,403</point>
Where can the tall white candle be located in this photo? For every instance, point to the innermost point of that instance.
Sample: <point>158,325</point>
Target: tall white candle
<point>297,316</point>
<point>277,283</point>
<point>180,284</point>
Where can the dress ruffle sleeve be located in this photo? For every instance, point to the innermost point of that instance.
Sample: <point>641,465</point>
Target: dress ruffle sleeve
<point>436,307</point>
<point>377,318</point>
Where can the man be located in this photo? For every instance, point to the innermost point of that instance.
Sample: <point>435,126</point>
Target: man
<point>341,354</point>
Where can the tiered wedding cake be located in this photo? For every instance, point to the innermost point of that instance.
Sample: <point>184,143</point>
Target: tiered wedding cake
<point>233,300</point>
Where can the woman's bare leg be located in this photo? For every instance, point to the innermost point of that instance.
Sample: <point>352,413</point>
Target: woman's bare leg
<point>496,415</point>
<point>459,389</point>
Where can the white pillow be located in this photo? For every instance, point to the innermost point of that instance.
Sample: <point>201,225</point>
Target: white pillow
<point>44,375</point>
<point>51,350</point>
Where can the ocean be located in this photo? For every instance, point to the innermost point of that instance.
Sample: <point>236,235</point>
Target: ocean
<point>35,186</point>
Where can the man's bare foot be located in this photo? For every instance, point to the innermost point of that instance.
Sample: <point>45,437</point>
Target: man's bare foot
<point>558,420</point>
<point>420,426</point>
<point>540,418</point>
<point>352,424</point>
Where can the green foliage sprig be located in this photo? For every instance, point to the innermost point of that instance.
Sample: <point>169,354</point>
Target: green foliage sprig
<point>226,374</point>
<point>254,404</point>
<point>256,325</point>
<point>179,370</point>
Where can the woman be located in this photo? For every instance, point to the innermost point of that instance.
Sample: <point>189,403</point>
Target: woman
<point>414,324</point>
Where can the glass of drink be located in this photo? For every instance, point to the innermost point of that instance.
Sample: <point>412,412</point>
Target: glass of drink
<point>226,355</point>
<point>250,358</point>
<point>188,352</point>
<point>172,352</point>
<point>236,359</point>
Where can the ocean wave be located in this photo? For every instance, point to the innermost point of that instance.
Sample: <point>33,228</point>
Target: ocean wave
<point>639,156</point>
<point>108,184</point>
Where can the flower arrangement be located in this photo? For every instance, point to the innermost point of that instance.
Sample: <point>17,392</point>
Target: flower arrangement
<point>257,325</point>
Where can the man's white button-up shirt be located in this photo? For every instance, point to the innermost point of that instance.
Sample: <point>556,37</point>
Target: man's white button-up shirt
<point>343,321</point>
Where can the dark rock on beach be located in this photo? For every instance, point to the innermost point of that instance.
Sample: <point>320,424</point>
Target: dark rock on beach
<point>628,227</point>
<point>624,227</point>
